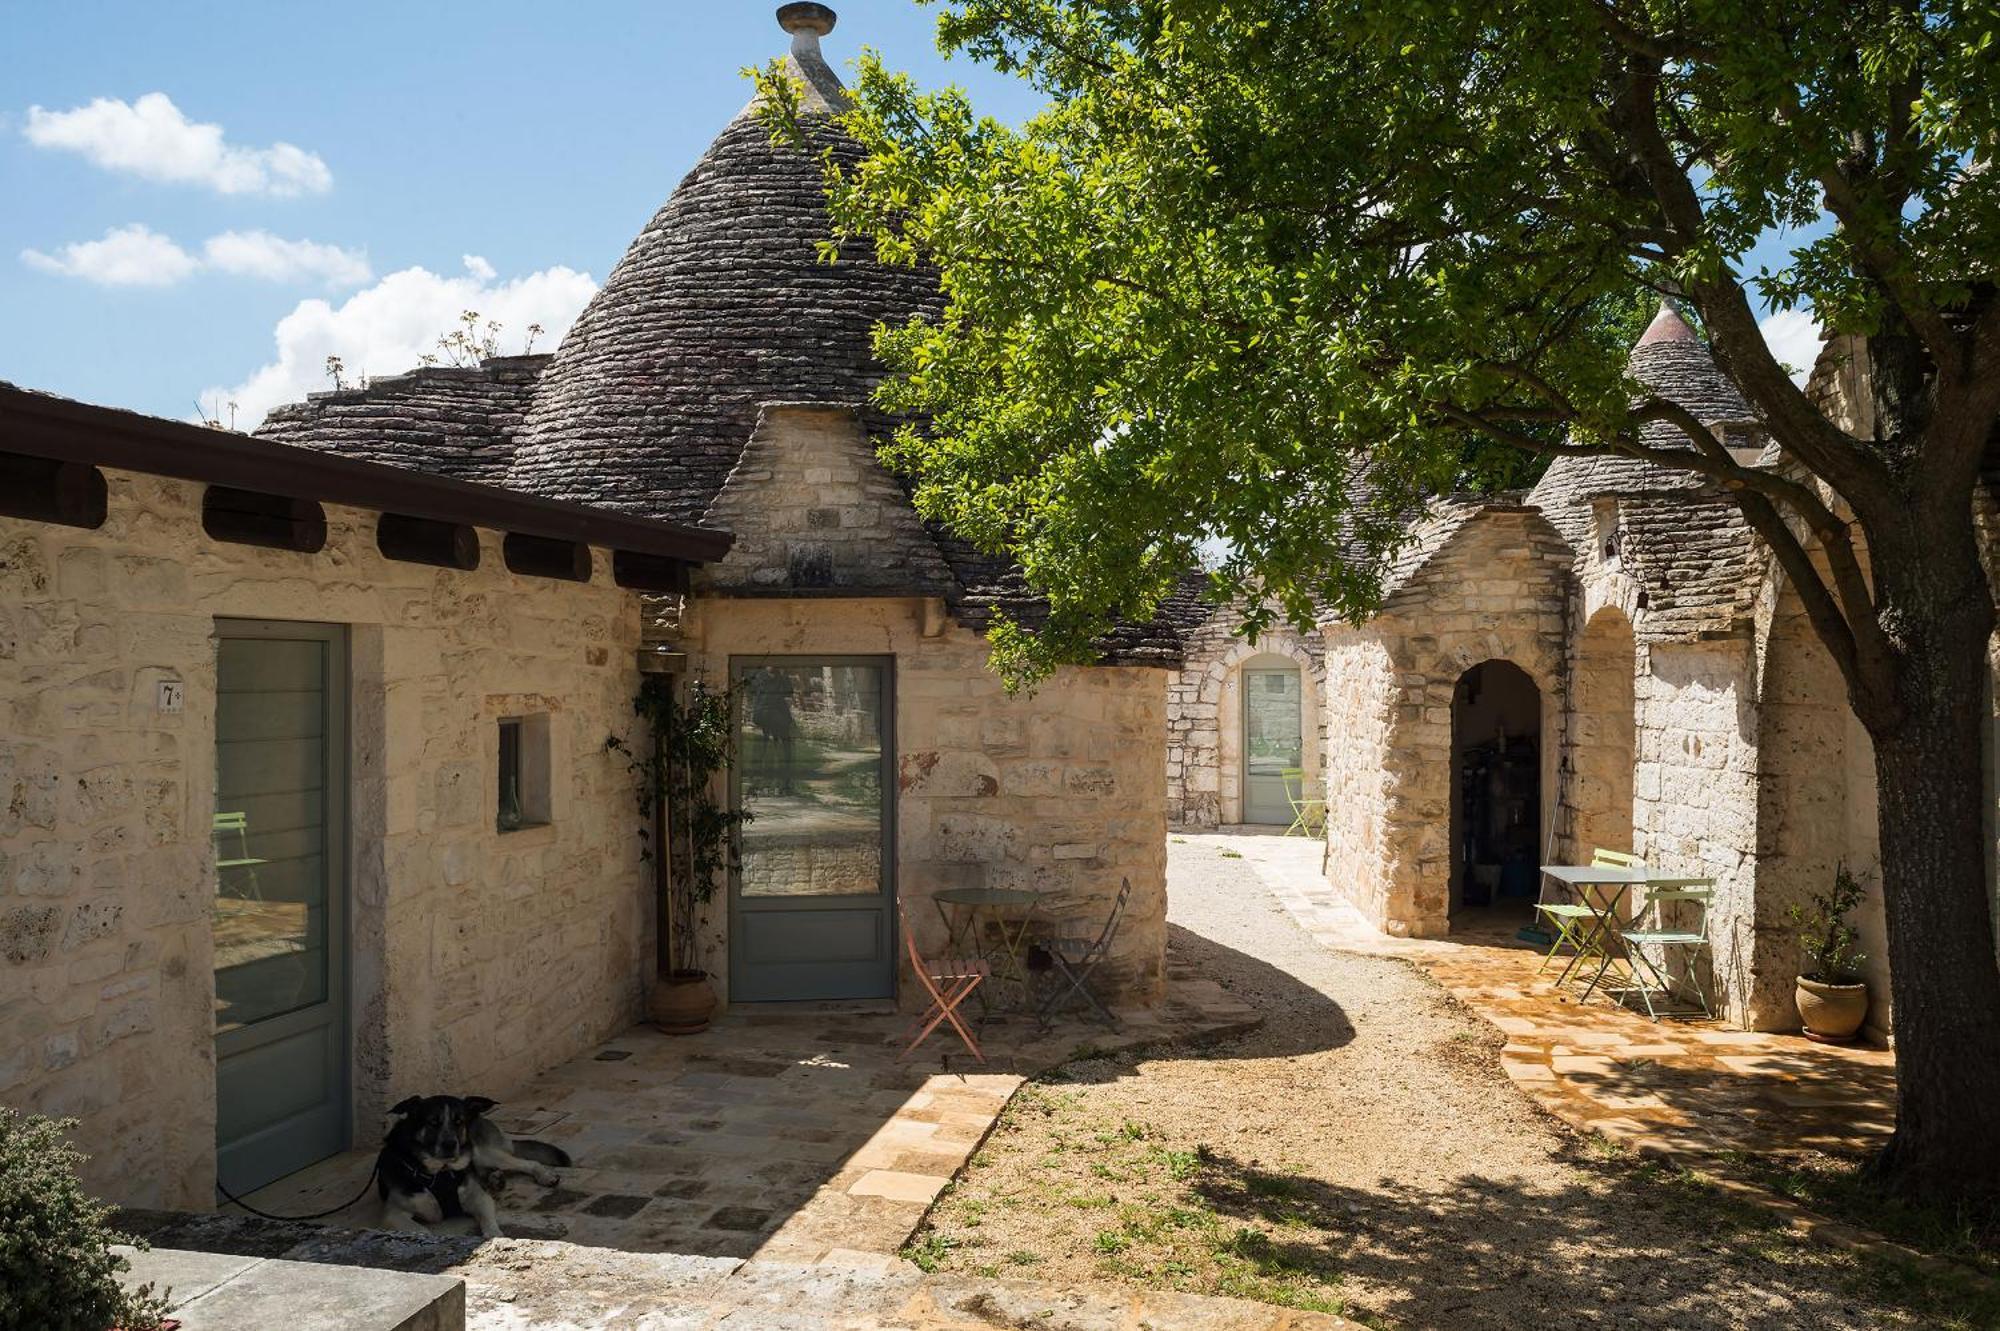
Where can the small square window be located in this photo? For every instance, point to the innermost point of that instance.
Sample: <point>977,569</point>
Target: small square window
<point>524,773</point>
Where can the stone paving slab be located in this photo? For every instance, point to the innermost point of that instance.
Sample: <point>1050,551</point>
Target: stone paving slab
<point>794,1134</point>
<point>232,1292</point>
<point>1674,1087</point>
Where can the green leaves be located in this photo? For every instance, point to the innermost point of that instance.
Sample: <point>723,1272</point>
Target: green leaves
<point>1265,273</point>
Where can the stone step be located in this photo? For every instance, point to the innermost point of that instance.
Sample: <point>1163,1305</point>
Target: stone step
<point>211,1291</point>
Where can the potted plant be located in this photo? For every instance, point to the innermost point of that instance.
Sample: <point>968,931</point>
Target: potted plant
<point>57,1269</point>
<point>1833,1000</point>
<point>688,837</point>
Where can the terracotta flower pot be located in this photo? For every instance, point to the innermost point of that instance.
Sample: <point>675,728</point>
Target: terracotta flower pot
<point>1832,1012</point>
<point>681,1003</point>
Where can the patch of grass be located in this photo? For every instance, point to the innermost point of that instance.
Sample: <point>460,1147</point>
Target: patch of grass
<point>1230,854</point>
<point>1111,1241</point>
<point>1022,1257</point>
<point>930,1250</point>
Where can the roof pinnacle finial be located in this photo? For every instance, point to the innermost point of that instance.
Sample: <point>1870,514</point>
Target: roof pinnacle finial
<point>1669,325</point>
<point>807,23</point>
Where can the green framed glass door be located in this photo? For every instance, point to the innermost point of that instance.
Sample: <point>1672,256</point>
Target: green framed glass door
<point>811,906</point>
<point>279,915</point>
<point>1273,742</point>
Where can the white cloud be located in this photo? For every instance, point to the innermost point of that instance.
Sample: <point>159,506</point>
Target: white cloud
<point>128,256</point>
<point>261,254</point>
<point>1793,336</point>
<point>386,328</point>
<point>151,139</point>
<point>135,255</point>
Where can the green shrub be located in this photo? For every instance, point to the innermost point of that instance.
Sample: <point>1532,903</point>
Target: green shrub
<point>1830,942</point>
<point>57,1270</point>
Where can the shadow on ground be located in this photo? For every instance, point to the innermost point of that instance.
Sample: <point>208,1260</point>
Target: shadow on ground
<point>1647,1246</point>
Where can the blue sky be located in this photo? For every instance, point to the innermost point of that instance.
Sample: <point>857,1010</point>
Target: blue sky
<point>213,197</point>
<point>536,137</point>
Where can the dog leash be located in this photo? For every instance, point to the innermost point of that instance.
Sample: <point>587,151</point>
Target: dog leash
<point>317,1215</point>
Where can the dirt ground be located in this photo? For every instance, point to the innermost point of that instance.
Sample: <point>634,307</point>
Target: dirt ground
<point>1362,1153</point>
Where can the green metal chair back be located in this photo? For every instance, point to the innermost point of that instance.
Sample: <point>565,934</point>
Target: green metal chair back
<point>1615,859</point>
<point>1308,815</point>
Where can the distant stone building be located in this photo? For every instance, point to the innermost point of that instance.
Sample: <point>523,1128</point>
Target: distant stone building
<point>1246,724</point>
<point>1609,661</point>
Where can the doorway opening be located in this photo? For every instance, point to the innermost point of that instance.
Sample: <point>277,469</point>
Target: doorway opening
<point>1496,796</point>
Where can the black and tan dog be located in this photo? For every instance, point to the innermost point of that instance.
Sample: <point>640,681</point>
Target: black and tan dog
<point>439,1156</point>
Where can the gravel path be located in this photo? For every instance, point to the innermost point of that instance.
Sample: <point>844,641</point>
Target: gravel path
<point>1361,1152</point>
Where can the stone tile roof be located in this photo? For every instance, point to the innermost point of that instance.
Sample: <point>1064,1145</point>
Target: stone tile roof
<point>457,422</point>
<point>1696,561</point>
<point>1671,359</point>
<point>721,306</point>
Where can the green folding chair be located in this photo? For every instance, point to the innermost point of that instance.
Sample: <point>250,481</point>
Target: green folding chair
<point>1308,816</point>
<point>243,862</point>
<point>1661,933</point>
<point>1574,923</point>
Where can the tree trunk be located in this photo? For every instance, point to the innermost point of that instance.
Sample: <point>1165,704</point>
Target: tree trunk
<point>1931,795</point>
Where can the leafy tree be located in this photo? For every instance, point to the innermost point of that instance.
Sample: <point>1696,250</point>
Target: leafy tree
<point>1250,245</point>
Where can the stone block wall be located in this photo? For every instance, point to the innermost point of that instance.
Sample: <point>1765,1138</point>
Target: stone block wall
<point>1496,591</point>
<point>1695,796</point>
<point>1062,789</point>
<point>813,509</point>
<point>479,958</point>
<point>1205,717</point>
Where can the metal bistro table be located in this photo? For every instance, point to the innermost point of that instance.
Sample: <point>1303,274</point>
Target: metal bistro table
<point>1607,909</point>
<point>965,910</point>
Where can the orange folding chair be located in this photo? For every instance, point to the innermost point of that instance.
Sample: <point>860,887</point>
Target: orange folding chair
<point>949,982</point>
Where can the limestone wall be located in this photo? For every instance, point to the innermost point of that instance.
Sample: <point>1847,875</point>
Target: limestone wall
<point>1205,717</point>
<point>1496,591</point>
<point>1062,790</point>
<point>1695,799</point>
<point>478,957</point>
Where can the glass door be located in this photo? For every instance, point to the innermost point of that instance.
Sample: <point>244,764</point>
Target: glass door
<point>280,910</point>
<point>811,907</point>
<point>1273,744</point>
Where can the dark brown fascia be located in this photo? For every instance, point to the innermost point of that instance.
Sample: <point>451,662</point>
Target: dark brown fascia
<point>41,425</point>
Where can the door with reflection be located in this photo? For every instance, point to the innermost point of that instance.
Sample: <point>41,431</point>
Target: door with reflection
<point>1273,743</point>
<point>811,905</point>
<point>279,914</point>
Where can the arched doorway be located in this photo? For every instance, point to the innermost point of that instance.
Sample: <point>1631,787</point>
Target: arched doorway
<point>1496,793</point>
<point>1273,750</point>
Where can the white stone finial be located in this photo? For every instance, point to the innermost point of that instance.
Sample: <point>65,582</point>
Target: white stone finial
<point>807,23</point>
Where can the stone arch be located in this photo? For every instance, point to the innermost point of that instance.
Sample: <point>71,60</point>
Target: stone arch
<point>1205,717</point>
<point>1422,767</point>
<point>1602,736</point>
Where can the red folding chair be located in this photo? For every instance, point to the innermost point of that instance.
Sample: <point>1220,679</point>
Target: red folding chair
<point>949,981</point>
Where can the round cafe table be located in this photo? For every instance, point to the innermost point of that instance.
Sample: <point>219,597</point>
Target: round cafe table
<point>967,911</point>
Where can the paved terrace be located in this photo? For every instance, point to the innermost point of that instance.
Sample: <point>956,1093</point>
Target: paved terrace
<point>789,1133</point>
<point>1678,1087</point>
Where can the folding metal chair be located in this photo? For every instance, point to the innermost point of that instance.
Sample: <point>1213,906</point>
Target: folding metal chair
<point>1664,935</point>
<point>1308,815</point>
<point>1574,922</point>
<point>1072,958</point>
<point>243,862</point>
<point>949,981</point>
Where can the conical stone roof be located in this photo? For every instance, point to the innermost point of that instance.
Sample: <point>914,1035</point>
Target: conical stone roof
<point>1671,359</point>
<point>720,305</point>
